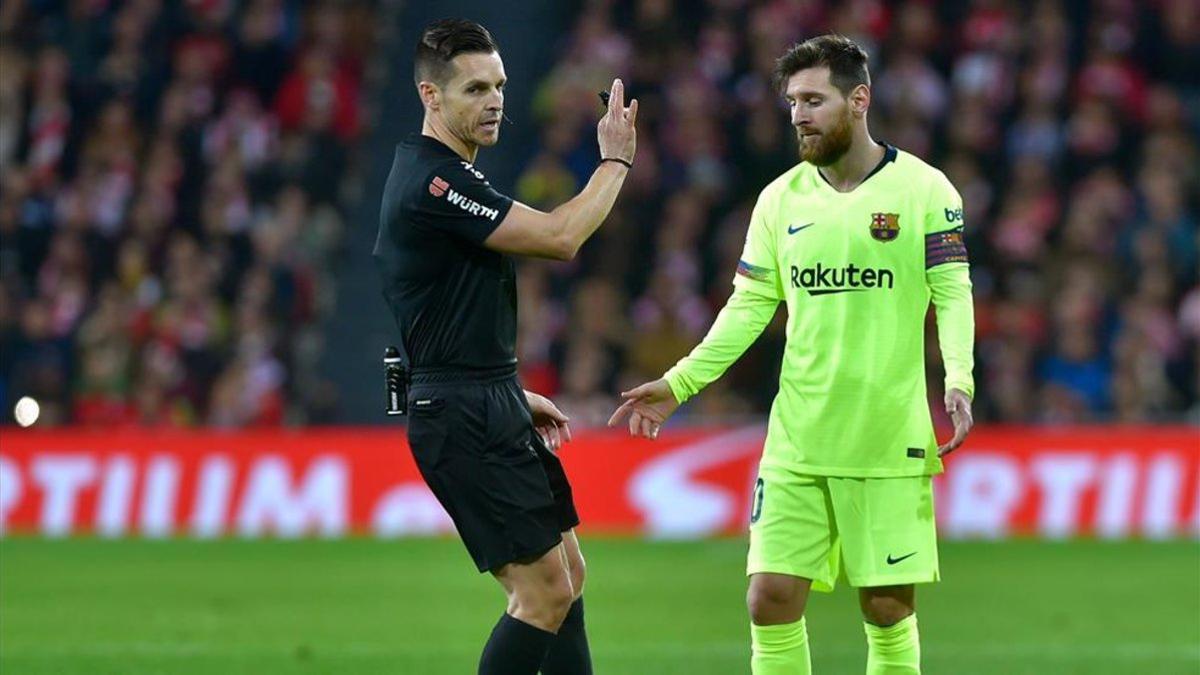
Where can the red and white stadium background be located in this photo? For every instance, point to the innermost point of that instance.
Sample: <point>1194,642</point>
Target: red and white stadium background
<point>1048,482</point>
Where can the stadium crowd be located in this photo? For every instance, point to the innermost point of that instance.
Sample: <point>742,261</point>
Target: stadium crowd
<point>171,205</point>
<point>171,211</point>
<point>1069,127</point>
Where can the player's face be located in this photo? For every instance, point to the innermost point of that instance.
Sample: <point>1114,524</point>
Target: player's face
<point>473,100</point>
<point>821,116</point>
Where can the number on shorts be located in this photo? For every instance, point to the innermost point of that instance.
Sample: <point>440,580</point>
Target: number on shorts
<point>756,504</point>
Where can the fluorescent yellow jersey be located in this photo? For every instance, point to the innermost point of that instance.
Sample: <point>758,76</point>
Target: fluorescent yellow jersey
<point>857,271</point>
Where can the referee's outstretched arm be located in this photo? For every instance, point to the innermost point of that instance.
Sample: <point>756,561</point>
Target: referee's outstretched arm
<point>560,233</point>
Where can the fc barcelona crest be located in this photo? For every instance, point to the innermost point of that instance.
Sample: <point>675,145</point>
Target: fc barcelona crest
<point>885,226</point>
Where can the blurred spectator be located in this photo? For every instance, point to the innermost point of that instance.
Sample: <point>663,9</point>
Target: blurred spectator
<point>170,198</point>
<point>171,203</point>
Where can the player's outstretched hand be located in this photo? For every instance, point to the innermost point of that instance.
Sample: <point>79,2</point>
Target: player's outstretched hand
<point>616,132</point>
<point>648,406</point>
<point>958,404</point>
<point>548,420</point>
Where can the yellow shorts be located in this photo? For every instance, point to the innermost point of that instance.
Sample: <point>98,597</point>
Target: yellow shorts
<point>868,531</point>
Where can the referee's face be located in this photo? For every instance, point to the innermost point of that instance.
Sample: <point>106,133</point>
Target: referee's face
<point>473,100</point>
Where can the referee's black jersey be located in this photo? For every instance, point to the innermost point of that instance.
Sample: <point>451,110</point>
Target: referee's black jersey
<point>455,301</point>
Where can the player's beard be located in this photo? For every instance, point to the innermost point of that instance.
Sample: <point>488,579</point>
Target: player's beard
<point>829,146</point>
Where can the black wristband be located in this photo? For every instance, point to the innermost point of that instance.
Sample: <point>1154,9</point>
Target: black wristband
<point>616,159</point>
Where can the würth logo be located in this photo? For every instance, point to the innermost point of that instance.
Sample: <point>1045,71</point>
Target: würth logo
<point>441,188</point>
<point>438,187</point>
<point>471,206</point>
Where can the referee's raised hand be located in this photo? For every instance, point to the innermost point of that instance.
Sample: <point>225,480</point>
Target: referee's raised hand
<point>616,133</point>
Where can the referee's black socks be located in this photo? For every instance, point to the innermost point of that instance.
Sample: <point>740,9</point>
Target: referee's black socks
<point>515,648</point>
<point>569,653</point>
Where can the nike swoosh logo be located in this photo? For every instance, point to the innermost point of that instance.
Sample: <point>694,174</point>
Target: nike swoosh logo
<point>893,561</point>
<point>794,230</point>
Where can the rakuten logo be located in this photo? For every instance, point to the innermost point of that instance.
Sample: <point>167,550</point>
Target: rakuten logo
<point>821,280</point>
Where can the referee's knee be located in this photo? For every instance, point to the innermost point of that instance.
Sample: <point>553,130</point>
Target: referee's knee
<point>556,601</point>
<point>545,602</point>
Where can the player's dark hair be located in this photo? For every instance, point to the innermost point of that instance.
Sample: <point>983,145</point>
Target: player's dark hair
<point>444,39</point>
<point>847,62</point>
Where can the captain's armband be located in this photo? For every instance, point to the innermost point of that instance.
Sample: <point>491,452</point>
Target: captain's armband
<point>945,247</point>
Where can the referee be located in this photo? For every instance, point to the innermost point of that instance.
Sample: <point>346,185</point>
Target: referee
<point>483,445</point>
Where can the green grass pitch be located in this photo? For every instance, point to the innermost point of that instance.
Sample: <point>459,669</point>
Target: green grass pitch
<point>417,607</point>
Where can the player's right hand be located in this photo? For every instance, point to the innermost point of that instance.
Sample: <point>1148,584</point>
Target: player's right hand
<point>648,406</point>
<point>616,132</point>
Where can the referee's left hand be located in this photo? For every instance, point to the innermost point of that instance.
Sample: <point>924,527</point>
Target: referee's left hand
<point>958,404</point>
<point>550,422</point>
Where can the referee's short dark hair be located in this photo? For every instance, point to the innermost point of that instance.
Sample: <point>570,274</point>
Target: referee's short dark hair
<point>444,39</point>
<point>847,62</point>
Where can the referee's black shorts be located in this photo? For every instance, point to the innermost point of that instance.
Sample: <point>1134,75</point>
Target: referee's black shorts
<point>473,440</point>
